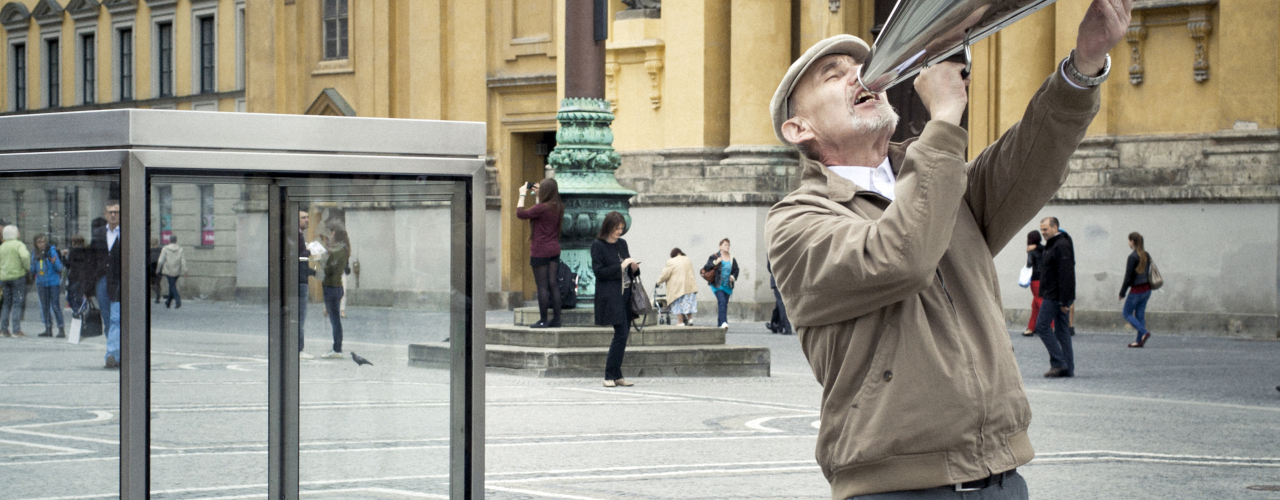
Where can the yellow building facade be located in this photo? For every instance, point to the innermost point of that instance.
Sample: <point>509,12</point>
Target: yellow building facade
<point>1188,116</point>
<point>73,55</point>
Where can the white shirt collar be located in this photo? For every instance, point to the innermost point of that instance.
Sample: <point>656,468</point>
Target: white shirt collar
<point>112,236</point>
<point>879,180</point>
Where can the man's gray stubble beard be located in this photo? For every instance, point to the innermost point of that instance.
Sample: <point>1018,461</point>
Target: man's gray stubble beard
<point>886,119</point>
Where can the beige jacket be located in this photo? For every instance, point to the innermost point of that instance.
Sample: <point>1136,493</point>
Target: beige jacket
<point>172,262</point>
<point>679,276</point>
<point>898,307</point>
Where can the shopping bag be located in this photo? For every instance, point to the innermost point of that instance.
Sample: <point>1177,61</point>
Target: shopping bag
<point>1024,277</point>
<point>73,336</point>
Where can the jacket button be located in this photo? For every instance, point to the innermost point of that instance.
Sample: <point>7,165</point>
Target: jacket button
<point>888,375</point>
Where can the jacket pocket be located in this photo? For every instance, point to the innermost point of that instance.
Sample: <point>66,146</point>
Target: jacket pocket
<point>880,370</point>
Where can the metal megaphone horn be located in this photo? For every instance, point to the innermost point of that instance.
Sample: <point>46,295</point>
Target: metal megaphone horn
<point>920,33</point>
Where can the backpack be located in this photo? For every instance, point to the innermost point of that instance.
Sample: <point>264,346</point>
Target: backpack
<point>568,283</point>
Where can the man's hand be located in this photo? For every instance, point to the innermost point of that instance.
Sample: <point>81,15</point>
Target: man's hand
<point>942,90</point>
<point>1104,25</point>
<point>1065,309</point>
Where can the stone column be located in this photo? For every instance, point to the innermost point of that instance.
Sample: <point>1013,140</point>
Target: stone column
<point>760,37</point>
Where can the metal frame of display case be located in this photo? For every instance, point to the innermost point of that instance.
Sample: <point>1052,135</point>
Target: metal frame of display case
<point>138,143</point>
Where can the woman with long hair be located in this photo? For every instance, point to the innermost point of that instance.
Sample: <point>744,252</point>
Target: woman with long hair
<point>46,265</point>
<point>544,247</point>
<point>614,269</point>
<point>335,261</point>
<point>682,287</point>
<point>1137,276</point>
<point>1035,250</point>
<point>726,269</point>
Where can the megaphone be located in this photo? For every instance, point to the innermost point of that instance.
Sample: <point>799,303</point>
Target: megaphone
<point>920,33</point>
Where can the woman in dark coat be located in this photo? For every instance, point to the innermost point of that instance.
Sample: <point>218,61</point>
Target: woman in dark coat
<point>614,269</point>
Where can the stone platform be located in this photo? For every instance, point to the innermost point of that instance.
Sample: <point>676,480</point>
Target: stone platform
<point>580,351</point>
<point>581,316</point>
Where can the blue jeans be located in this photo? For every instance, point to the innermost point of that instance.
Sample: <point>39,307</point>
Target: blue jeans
<point>49,301</point>
<point>784,325</point>
<point>722,300</point>
<point>1014,487</point>
<point>332,299</point>
<point>304,294</point>
<point>173,292</point>
<point>15,297</point>
<point>1056,338</point>
<point>110,319</point>
<point>1135,312</point>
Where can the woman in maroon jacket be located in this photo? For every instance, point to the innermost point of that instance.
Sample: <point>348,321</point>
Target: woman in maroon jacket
<point>544,246</point>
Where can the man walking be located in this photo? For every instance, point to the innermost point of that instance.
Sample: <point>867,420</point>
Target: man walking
<point>15,261</point>
<point>1057,292</point>
<point>106,249</point>
<point>172,264</point>
<point>884,259</point>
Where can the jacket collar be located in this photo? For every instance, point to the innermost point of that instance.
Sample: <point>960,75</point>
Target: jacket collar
<point>814,175</point>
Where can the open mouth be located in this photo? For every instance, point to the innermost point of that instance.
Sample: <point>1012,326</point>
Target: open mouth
<point>864,96</point>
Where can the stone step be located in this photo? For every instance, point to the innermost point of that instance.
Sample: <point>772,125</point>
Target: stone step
<point>579,316</point>
<point>598,336</point>
<point>642,361</point>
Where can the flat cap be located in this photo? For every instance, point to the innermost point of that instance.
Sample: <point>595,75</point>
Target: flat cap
<point>839,44</point>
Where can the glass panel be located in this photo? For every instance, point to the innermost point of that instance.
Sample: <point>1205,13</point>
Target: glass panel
<point>59,405</point>
<point>382,263</point>
<point>208,337</point>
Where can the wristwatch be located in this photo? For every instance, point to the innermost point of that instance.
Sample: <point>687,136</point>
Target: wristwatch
<point>1087,81</point>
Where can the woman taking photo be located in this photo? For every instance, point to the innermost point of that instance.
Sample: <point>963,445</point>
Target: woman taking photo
<point>544,247</point>
<point>1035,250</point>
<point>726,274</point>
<point>614,269</point>
<point>335,262</point>
<point>1137,283</point>
<point>682,287</point>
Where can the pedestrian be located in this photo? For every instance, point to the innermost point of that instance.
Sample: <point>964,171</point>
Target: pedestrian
<point>725,268</point>
<point>46,266</point>
<point>883,256</point>
<point>1035,250</point>
<point>682,287</point>
<point>1137,282</point>
<point>544,246</point>
<point>153,267</point>
<point>304,279</point>
<point>80,274</point>
<point>335,261</point>
<point>15,262</point>
<point>172,264</point>
<point>614,269</point>
<point>106,249</point>
<point>1057,292</point>
<point>781,324</point>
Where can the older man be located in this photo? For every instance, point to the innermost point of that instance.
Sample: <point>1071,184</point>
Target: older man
<point>106,250</point>
<point>884,259</point>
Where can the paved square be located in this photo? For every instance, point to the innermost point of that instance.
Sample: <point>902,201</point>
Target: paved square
<point>1185,417</point>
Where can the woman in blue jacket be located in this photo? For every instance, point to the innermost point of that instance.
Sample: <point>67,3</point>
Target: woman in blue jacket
<point>47,268</point>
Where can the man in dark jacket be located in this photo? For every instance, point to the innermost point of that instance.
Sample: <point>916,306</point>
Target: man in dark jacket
<point>1058,291</point>
<point>105,248</point>
<point>304,274</point>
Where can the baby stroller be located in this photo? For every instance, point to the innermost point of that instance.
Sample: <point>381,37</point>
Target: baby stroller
<point>660,304</point>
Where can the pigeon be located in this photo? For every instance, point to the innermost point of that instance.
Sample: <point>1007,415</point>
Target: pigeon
<point>359,360</point>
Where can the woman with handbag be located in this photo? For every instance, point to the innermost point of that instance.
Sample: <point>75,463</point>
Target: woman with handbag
<point>1137,282</point>
<point>682,287</point>
<point>725,268</point>
<point>614,269</point>
<point>1035,250</point>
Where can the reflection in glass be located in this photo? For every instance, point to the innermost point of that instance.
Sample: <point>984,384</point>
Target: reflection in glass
<point>59,394</point>
<point>209,338</point>
<point>381,264</point>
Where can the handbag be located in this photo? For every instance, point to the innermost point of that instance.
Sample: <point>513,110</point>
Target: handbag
<point>640,304</point>
<point>1024,277</point>
<point>1154,279</point>
<point>710,275</point>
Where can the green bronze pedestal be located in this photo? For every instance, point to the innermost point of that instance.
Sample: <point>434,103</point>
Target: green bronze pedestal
<point>584,163</point>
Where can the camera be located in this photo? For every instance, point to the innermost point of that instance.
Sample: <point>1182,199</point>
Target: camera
<point>530,186</point>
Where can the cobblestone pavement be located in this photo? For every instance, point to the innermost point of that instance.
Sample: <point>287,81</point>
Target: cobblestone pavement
<point>1184,418</point>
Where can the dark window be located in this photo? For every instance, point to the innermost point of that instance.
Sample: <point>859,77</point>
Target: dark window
<point>51,55</point>
<point>335,29</point>
<point>126,64</point>
<point>20,77</point>
<point>89,69</point>
<point>206,56</point>
<point>165,42</point>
